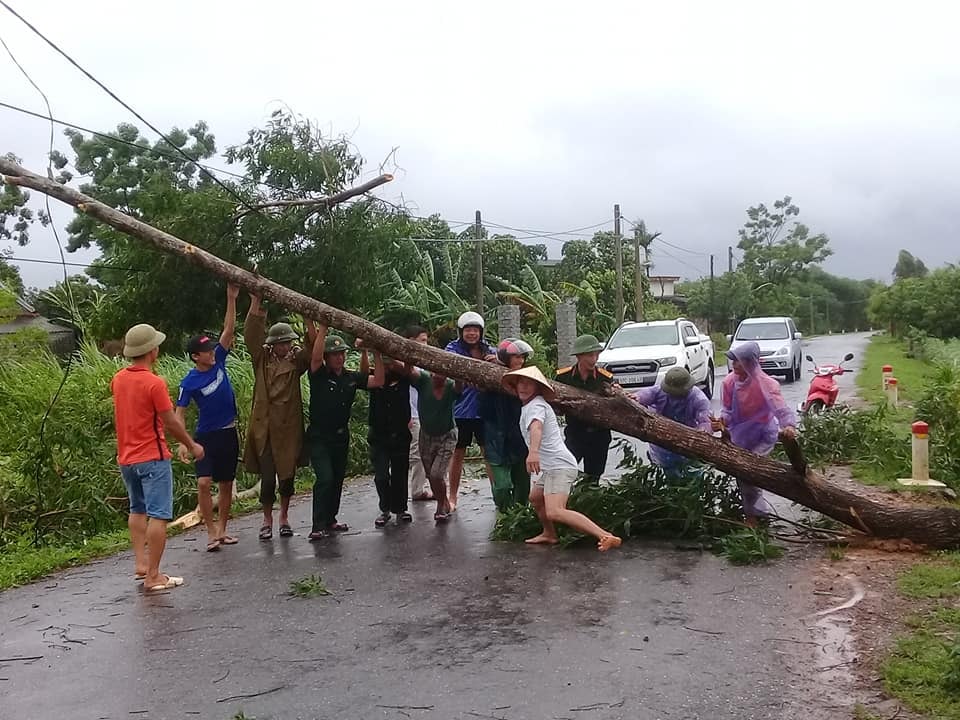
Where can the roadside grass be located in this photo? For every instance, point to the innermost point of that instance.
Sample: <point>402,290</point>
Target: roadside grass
<point>21,562</point>
<point>937,579</point>
<point>923,669</point>
<point>876,442</point>
<point>911,373</point>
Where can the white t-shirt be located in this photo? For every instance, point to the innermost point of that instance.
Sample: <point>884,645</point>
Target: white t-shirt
<point>414,397</point>
<point>554,454</point>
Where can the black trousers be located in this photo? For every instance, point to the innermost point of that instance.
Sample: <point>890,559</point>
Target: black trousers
<point>590,445</point>
<point>391,463</point>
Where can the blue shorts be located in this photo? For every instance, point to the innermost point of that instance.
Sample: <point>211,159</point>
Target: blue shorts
<point>150,488</point>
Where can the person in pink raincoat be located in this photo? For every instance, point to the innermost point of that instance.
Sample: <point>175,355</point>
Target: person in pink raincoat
<point>756,416</point>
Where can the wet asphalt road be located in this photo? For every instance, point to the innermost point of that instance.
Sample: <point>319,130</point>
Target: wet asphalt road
<point>424,622</point>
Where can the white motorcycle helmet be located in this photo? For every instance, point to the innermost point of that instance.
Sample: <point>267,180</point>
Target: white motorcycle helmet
<point>470,318</point>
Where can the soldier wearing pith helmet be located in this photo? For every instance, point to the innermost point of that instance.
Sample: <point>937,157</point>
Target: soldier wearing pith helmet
<point>274,442</point>
<point>333,389</point>
<point>587,442</point>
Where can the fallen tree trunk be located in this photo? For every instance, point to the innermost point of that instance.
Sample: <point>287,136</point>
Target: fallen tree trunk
<point>866,509</point>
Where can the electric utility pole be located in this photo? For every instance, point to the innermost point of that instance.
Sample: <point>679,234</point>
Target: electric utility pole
<point>638,265</point>
<point>713,297</point>
<point>618,257</point>
<point>478,229</point>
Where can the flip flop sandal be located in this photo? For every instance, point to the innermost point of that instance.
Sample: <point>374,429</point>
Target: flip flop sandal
<point>318,535</point>
<point>139,577</point>
<point>229,540</point>
<point>266,532</point>
<point>338,527</point>
<point>381,520</point>
<point>441,517</point>
<point>213,545</point>
<point>286,531</point>
<point>171,583</point>
<point>405,517</point>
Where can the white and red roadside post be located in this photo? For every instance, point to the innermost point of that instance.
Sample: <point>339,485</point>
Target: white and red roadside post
<point>892,390</point>
<point>920,472</point>
<point>887,373</point>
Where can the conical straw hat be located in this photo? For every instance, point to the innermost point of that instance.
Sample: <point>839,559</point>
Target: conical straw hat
<point>533,373</point>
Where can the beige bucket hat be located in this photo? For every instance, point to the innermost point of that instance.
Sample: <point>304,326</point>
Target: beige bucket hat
<point>532,373</point>
<point>141,339</point>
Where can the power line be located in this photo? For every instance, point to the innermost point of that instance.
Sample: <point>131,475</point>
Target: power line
<point>683,249</point>
<point>112,94</point>
<point>549,233</point>
<point>41,261</point>
<point>532,234</point>
<point>683,262</point>
<point>670,244</point>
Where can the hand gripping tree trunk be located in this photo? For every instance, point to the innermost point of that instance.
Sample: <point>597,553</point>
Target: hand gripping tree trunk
<point>866,509</point>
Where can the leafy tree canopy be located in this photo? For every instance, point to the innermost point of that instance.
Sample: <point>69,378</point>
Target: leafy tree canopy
<point>909,266</point>
<point>776,246</point>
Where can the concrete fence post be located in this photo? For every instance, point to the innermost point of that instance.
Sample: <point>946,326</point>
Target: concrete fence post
<point>508,321</point>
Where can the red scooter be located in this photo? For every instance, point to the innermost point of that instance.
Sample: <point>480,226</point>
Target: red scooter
<point>823,388</point>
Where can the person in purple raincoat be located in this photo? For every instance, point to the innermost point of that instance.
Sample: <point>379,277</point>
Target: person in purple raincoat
<point>756,416</point>
<point>678,399</point>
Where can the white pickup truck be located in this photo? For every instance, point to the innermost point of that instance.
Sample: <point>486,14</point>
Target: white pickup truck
<point>640,354</point>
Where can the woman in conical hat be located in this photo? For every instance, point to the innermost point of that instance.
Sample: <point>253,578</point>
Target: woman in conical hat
<point>552,467</point>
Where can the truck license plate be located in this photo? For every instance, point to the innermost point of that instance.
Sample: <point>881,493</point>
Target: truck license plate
<point>636,379</point>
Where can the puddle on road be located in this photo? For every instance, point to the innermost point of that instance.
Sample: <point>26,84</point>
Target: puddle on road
<point>833,631</point>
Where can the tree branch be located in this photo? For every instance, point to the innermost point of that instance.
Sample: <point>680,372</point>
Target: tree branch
<point>326,202</point>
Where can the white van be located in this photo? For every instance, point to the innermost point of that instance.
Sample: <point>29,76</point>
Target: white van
<point>781,349</point>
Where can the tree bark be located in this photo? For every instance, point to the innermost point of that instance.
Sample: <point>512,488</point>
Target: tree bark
<point>866,509</point>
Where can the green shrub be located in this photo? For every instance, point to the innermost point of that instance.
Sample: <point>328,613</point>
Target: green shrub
<point>870,439</point>
<point>940,408</point>
<point>68,483</point>
<point>646,501</point>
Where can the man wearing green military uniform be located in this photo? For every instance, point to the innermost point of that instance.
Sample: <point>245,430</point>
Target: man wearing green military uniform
<point>587,442</point>
<point>332,392</point>
<point>274,440</point>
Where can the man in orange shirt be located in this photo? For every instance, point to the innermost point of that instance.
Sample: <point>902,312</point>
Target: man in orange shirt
<point>142,410</point>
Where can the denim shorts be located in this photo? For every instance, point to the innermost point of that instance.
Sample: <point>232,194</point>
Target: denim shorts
<point>150,488</point>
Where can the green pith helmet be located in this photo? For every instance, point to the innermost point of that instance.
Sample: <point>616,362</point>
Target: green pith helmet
<point>334,343</point>
<point>586,344</point>
<point>281,332</point>
<point>677,382</point>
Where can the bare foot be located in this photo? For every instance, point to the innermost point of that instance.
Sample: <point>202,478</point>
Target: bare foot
<point>607,542</point>
<point>542,539</point>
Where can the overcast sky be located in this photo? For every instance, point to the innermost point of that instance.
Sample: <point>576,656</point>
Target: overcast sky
<point>544,114</point>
